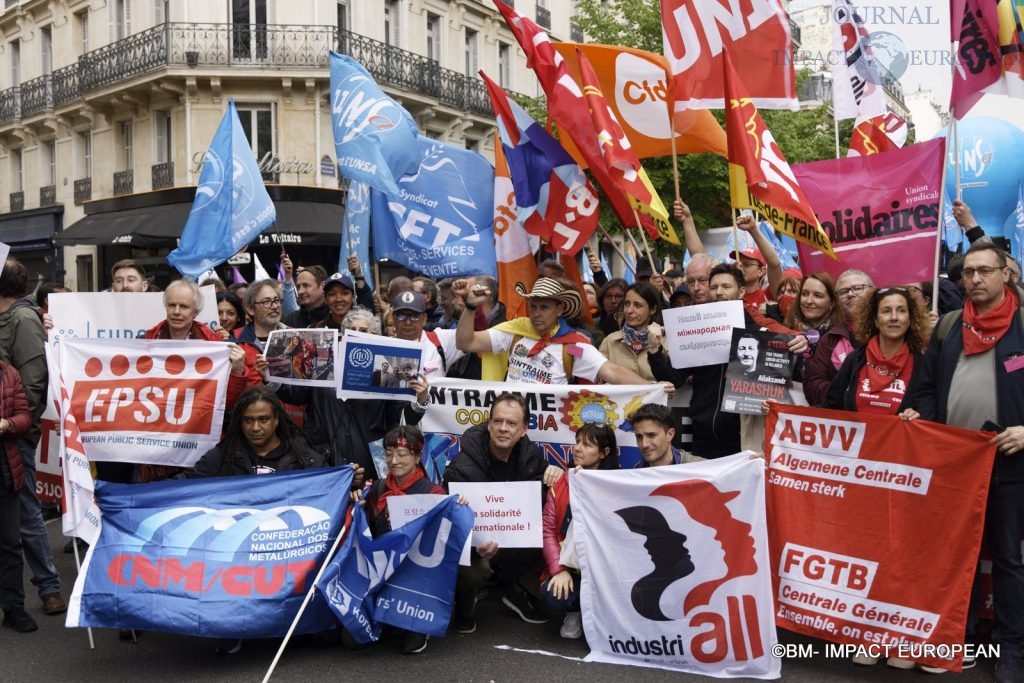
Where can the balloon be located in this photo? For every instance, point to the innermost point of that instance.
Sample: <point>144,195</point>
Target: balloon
<point>991,164</point>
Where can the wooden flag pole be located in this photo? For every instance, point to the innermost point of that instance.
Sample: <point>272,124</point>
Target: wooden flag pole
<point>643,236</point>
<point>616,248</point>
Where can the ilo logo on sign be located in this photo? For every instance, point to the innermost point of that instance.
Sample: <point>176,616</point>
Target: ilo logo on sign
<point>887,61</point>
<point>360,358</point>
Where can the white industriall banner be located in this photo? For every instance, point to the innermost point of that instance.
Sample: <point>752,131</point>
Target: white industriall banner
<point>152,402</point>
<point>675,567</point>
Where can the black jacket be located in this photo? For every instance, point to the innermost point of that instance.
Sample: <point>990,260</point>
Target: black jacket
<point>474,462</point>
<point>244,461</point>
<point>842,393</point>
<point>307,318</point>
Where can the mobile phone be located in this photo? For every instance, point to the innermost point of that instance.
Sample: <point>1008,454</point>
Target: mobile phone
<point>991,426</point>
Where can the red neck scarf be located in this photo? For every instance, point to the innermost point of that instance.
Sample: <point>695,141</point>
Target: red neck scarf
<point>392,488</point>
<point>879,371</point>
<point>981,332</point>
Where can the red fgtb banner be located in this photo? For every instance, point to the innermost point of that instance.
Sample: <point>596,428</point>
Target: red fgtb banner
<point>874,526</point>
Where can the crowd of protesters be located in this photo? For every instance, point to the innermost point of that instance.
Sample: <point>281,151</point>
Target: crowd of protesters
<point>885,350</point>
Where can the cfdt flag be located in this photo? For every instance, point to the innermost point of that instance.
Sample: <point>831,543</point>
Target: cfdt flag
<point>759,175</point>
<point>355,229</point>
<point>405,578</point>
<point>227,557</point>
<point>675,567</point>
<point>440,221</point>
<point>231,207</point>
<point>554,199</point>
<point>513,246</point>
<point>374,136</point>
<point>696,34</point>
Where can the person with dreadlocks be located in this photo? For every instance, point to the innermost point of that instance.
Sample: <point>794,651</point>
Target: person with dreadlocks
<point>261,439</point>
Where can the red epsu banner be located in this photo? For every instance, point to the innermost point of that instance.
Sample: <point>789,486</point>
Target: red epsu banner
<point>874,526</point>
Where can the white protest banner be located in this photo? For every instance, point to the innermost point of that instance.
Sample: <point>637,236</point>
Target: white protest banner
<point>153,402</point>
<point>507,512</point>
<point>372,366</point>
<point>404,509</point>
<point>556,412</point>
<point>116,315</point>
<point>302,356</point>
<point>701,334</point>
<point>675,567</point>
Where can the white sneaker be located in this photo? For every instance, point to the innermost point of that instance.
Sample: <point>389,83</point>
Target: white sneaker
<point>572,625</point>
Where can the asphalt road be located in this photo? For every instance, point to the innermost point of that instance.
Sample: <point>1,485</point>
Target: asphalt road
<point>503,649</point>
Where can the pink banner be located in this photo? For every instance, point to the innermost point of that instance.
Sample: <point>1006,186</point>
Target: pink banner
<point>881,212</point>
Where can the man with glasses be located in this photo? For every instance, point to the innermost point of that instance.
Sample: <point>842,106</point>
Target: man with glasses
<point>263,306</point>
<point>698,277</point>
<point>971,378</point>
<point>851,288</point>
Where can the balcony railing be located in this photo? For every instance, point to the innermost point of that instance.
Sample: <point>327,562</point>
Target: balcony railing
<point>257,45</point>
<point>163,175</point>
<point>83,190</point>
<point>544,17</point>
<point>794,32</point>
<point>36,95</point>
<point>575,32</point>
<point>10,105</point>
<point>48,195</point>
<point>124,182</point>
<point>17,201</point>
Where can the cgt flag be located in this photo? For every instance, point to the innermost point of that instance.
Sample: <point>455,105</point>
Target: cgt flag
<point>675,567</point>
<point>441,221</point>
<point>227,557</point>
<point>231,207</point>
<point>405,578</point>
<point>374,136</point>
<point>759,176</point>
<point>977,65</point>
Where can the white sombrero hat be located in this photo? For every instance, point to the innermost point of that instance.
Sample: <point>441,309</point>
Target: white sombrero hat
<point>547,288</point>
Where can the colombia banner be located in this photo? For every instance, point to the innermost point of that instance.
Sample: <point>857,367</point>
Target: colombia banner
<point>706,606</point>
<point>854,501</point>
<point>227,557</point>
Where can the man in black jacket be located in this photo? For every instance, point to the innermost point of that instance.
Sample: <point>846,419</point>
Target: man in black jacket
<point>498,451</point>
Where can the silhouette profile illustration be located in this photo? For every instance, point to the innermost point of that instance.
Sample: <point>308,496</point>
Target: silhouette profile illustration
<point>668,552</point>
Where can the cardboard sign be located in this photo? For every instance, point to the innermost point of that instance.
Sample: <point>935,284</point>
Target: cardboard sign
<point>702,334</point>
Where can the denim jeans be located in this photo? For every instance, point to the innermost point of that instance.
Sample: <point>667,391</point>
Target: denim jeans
<point>567,604</point>
<point>34,539</point>
<point>1004,522</point>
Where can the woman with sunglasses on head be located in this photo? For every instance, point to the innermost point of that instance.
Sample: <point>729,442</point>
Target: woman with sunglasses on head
<point>595,449</point>
<point>628,346</point>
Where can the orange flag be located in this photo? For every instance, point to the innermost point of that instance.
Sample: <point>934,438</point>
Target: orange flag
<point>513,247</point>
<point>759,175</point>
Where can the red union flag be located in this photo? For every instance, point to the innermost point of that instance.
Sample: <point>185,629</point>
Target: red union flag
<point>852,503</point>
<point>759,175</point>
<point>977,64</point>
<point>878,134</point>
<point>152,402</point>
<point>756,32</point>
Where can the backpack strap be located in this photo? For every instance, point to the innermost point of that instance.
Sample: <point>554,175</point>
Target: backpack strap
<point>432,336</point>
<point>946,324</point>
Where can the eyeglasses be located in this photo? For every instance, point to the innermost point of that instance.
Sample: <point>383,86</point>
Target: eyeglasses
<point>690,282</point>
<point>406,317</point>
<point>269,303</point>
<point>852,289</point>
<point>984,271</point>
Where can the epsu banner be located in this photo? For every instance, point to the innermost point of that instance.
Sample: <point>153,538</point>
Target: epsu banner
<point>881,212</point>
<point>228,557</point>
<point>674,562</point>
<point>556,412</point>
<point>854,501</point>
<point>152,402</point>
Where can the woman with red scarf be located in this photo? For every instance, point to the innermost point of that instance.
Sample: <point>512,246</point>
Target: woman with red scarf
<point>403,448</point>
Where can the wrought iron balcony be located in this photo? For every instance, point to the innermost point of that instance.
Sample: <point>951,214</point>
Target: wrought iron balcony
<point>17,201</point>
<point>544,17</point>
<point>83,190</point>
<point>36,95</point>
<point>794,32</point>
<point>575,32</point>
<point>10,105</point>
<point>65,85</point>
<point>163,175</point>
<point>128,57</point>
<point>48,195</point>
<point>124,182</point>
<point>198,45</point>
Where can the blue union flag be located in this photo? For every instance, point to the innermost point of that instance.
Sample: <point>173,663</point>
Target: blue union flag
<point>225,557</point>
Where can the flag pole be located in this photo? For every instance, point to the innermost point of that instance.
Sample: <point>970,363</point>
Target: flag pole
<point>736,234</point>
<point>835,126</point>
<point>954,129</point>
<point>938,239</point>
<point>643,236</point>
<point>616,248</point>
<point>309,594</point>
<point>78,569</point>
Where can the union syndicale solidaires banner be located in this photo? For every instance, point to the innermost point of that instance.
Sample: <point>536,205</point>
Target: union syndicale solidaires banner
<point>675,567</point>
<point>881,212</point>
<point>152,402</point>
<point>226,557</point>
<point>556,413</point>
<point>875,525</point>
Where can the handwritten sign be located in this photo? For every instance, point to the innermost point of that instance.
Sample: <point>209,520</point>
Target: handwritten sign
<point>508,513</point>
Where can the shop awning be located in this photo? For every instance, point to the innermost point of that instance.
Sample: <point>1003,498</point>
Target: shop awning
<point>298,222</point>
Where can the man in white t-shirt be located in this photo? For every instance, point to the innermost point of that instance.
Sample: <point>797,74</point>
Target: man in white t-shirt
<point>540,346</point>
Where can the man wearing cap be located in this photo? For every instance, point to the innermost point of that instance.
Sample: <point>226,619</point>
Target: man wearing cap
<point>339,293</point>
<point>756,262</point>
<point>439,349</point>
<point>541,347</point>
